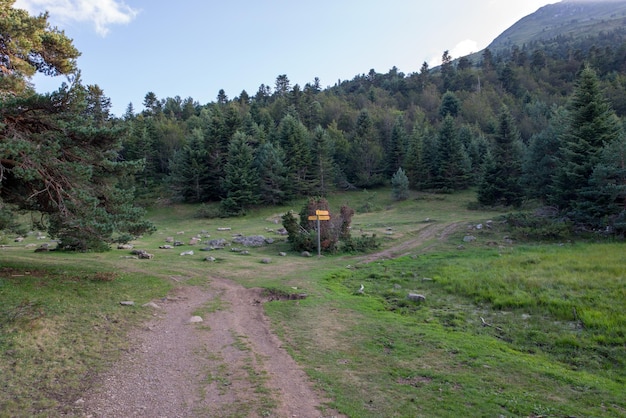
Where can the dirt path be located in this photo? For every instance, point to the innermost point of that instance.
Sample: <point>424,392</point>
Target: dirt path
<point>229,365</point>
<point>441,231</point>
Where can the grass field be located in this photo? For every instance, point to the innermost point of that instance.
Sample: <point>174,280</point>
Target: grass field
<point>506,328</point>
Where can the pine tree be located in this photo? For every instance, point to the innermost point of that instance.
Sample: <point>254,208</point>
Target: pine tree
<point>241,181</point>
<point>323,165</point>
<point>454,164</point>
<point>400,185</point>
<point>189,171</point>
<point>591,124</point>
<point>293,138</point>
<point>397,146</point>
<point>269,163</point>
<point>503,167</point>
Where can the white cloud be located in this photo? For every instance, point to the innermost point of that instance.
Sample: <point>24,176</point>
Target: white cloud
<point>461,49</point>
<point>102,13</point>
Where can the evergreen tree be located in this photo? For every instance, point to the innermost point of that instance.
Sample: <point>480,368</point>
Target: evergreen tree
<point>241,181</point>
<point>323,166</point>
<point>400,185</point>
<point>366,154</point>
<point>397,151</point>
<point>189,171</point>
<point>293,138</point>
<point>269,163</point>
<point>450,105</point>
<point>454,164</point>
<point>503,167</point>
<point>28,45</point>
<point>591,125</point>
<point>541,159</point>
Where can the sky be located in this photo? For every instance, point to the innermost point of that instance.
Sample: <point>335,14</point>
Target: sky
<point>194,48</point>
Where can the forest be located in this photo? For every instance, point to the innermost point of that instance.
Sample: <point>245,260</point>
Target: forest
<point>538,125</point>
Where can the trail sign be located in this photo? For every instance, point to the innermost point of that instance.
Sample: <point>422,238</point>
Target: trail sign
<point>320,215</point>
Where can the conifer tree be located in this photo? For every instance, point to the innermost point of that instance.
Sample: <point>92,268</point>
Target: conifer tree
<point>189,171</point>
<point>293,138</point>
<point>503,167</point>
<point>241,181</point>
<point>269,163</point>
<point>591,125</point>
<point>400,185</point>
<point>323,165</point>
<point>454,164</point>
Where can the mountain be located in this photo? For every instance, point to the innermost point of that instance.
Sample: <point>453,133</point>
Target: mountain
<point>573,19</point>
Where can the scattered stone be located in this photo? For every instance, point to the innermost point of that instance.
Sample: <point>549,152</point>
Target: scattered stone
<point>166,247</point>
<point>125,247</point>
<point>253,241</point>
<point>224,229</point>
<point>305,254</point>
<point>195,319</point>
<point>178,243</point>
<point>129,257</point>
<point>460,247</point>
<point>479,226</point>
<point>127,303</point>
<point>190,252</point>
<point>145,256</point>
<point>169,240</point>
<point>214,244</point>
<point>151,305</point>
<point>180,233</point>
<point>266,260</point>
<point>211,259</point>
<point>282,231</point>
<point>244,252</point>
<point>194,241</point>
<point>469,238</point>
<point>42,248</point>
<point>416,297</point>
<point>282,254</point>
<point>19,239</point>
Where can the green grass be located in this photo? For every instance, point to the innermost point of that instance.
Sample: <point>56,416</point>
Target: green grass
<point>506,329</point>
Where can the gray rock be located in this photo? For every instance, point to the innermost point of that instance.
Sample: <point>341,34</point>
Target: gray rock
<point>469,238</point>
<point>305,254</point>
<point>416,297</point>
<point>266,260</point>
<point>195,319</point>
<point>127,303</point>
<point>211,259</point>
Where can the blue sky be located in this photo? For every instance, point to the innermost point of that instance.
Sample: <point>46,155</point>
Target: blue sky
<point>194,48</point>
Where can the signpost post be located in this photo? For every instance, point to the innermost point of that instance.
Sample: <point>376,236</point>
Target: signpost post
<point>320,215</point>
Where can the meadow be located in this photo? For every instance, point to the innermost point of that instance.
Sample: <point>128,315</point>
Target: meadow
<point>506,328</point>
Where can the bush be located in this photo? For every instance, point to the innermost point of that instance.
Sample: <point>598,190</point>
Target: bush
<point>529,226</point>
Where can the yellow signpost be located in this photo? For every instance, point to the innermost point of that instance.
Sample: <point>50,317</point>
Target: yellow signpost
<point>320,215</point>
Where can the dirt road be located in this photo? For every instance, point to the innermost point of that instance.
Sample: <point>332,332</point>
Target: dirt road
<point>228,365</point>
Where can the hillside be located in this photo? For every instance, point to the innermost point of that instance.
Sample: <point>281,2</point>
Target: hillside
<point>570,19</point>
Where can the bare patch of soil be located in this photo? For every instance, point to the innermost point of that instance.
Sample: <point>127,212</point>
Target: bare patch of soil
<point>441,231</point>
<point>231,364</point>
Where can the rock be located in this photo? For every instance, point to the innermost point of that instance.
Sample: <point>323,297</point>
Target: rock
<point>416,297</point>
<point>282,231</point>
<point>166,247</point>
<point>214,244</point>
<point>211,259</point>
<point>169,240</point>
<point>125,247</point>
<point>151,305</point>
<point>252,241</point>
<point>194,241</point>
<point>190,252</point>
<point>305,254</point>
<point>195,319</point>
<point>19,239</point>
<point>282,254</point>
<point>469,238</point>
<point>479,226</point>
<point>244,252</point>
<point>266,260</point>
<point>224,229</point>
<point>145,256</point>
<point>127,303</point>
